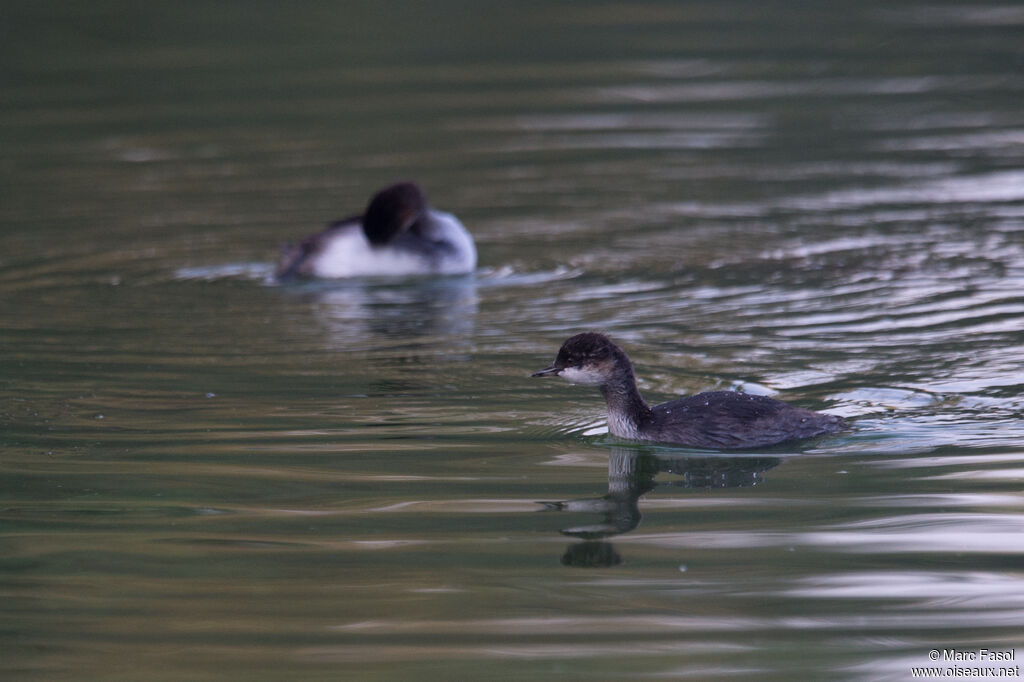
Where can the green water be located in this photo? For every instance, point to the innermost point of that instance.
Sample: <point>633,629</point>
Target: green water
<point>208,476</point>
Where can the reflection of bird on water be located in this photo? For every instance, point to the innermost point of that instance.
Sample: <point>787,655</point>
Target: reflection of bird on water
<point>717,472</point>
<point>716,420</point>
<point>357,312</point>
<point>398,234</point>
<point>591,554</point>
<point>631,474</point>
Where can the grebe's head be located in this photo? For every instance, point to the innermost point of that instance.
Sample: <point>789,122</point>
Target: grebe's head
<point>589,358</point>
<point>392,211</point>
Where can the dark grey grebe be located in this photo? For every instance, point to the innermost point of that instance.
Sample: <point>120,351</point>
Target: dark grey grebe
<point>398,234</point>
<point>716,420</point>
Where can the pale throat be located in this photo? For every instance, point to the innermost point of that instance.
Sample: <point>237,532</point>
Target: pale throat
<point>585,376</point>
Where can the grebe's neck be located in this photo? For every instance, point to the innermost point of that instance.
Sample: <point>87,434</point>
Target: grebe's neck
<point>627,410</point>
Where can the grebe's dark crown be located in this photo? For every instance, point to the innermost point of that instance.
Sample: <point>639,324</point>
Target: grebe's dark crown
<point>588,347</point>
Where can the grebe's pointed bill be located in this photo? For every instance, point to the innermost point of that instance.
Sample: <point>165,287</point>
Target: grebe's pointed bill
<point>552,371</point>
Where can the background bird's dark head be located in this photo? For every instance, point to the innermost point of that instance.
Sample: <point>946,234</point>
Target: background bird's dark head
<point>392,211</point>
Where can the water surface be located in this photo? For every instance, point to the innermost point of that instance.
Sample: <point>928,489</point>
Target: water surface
<point>206,475</point>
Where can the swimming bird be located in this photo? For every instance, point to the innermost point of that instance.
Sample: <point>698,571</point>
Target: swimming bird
<point>398,234</point>
<point>715,420</point>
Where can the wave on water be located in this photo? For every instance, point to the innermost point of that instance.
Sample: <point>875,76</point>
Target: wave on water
<point>258,272</point>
